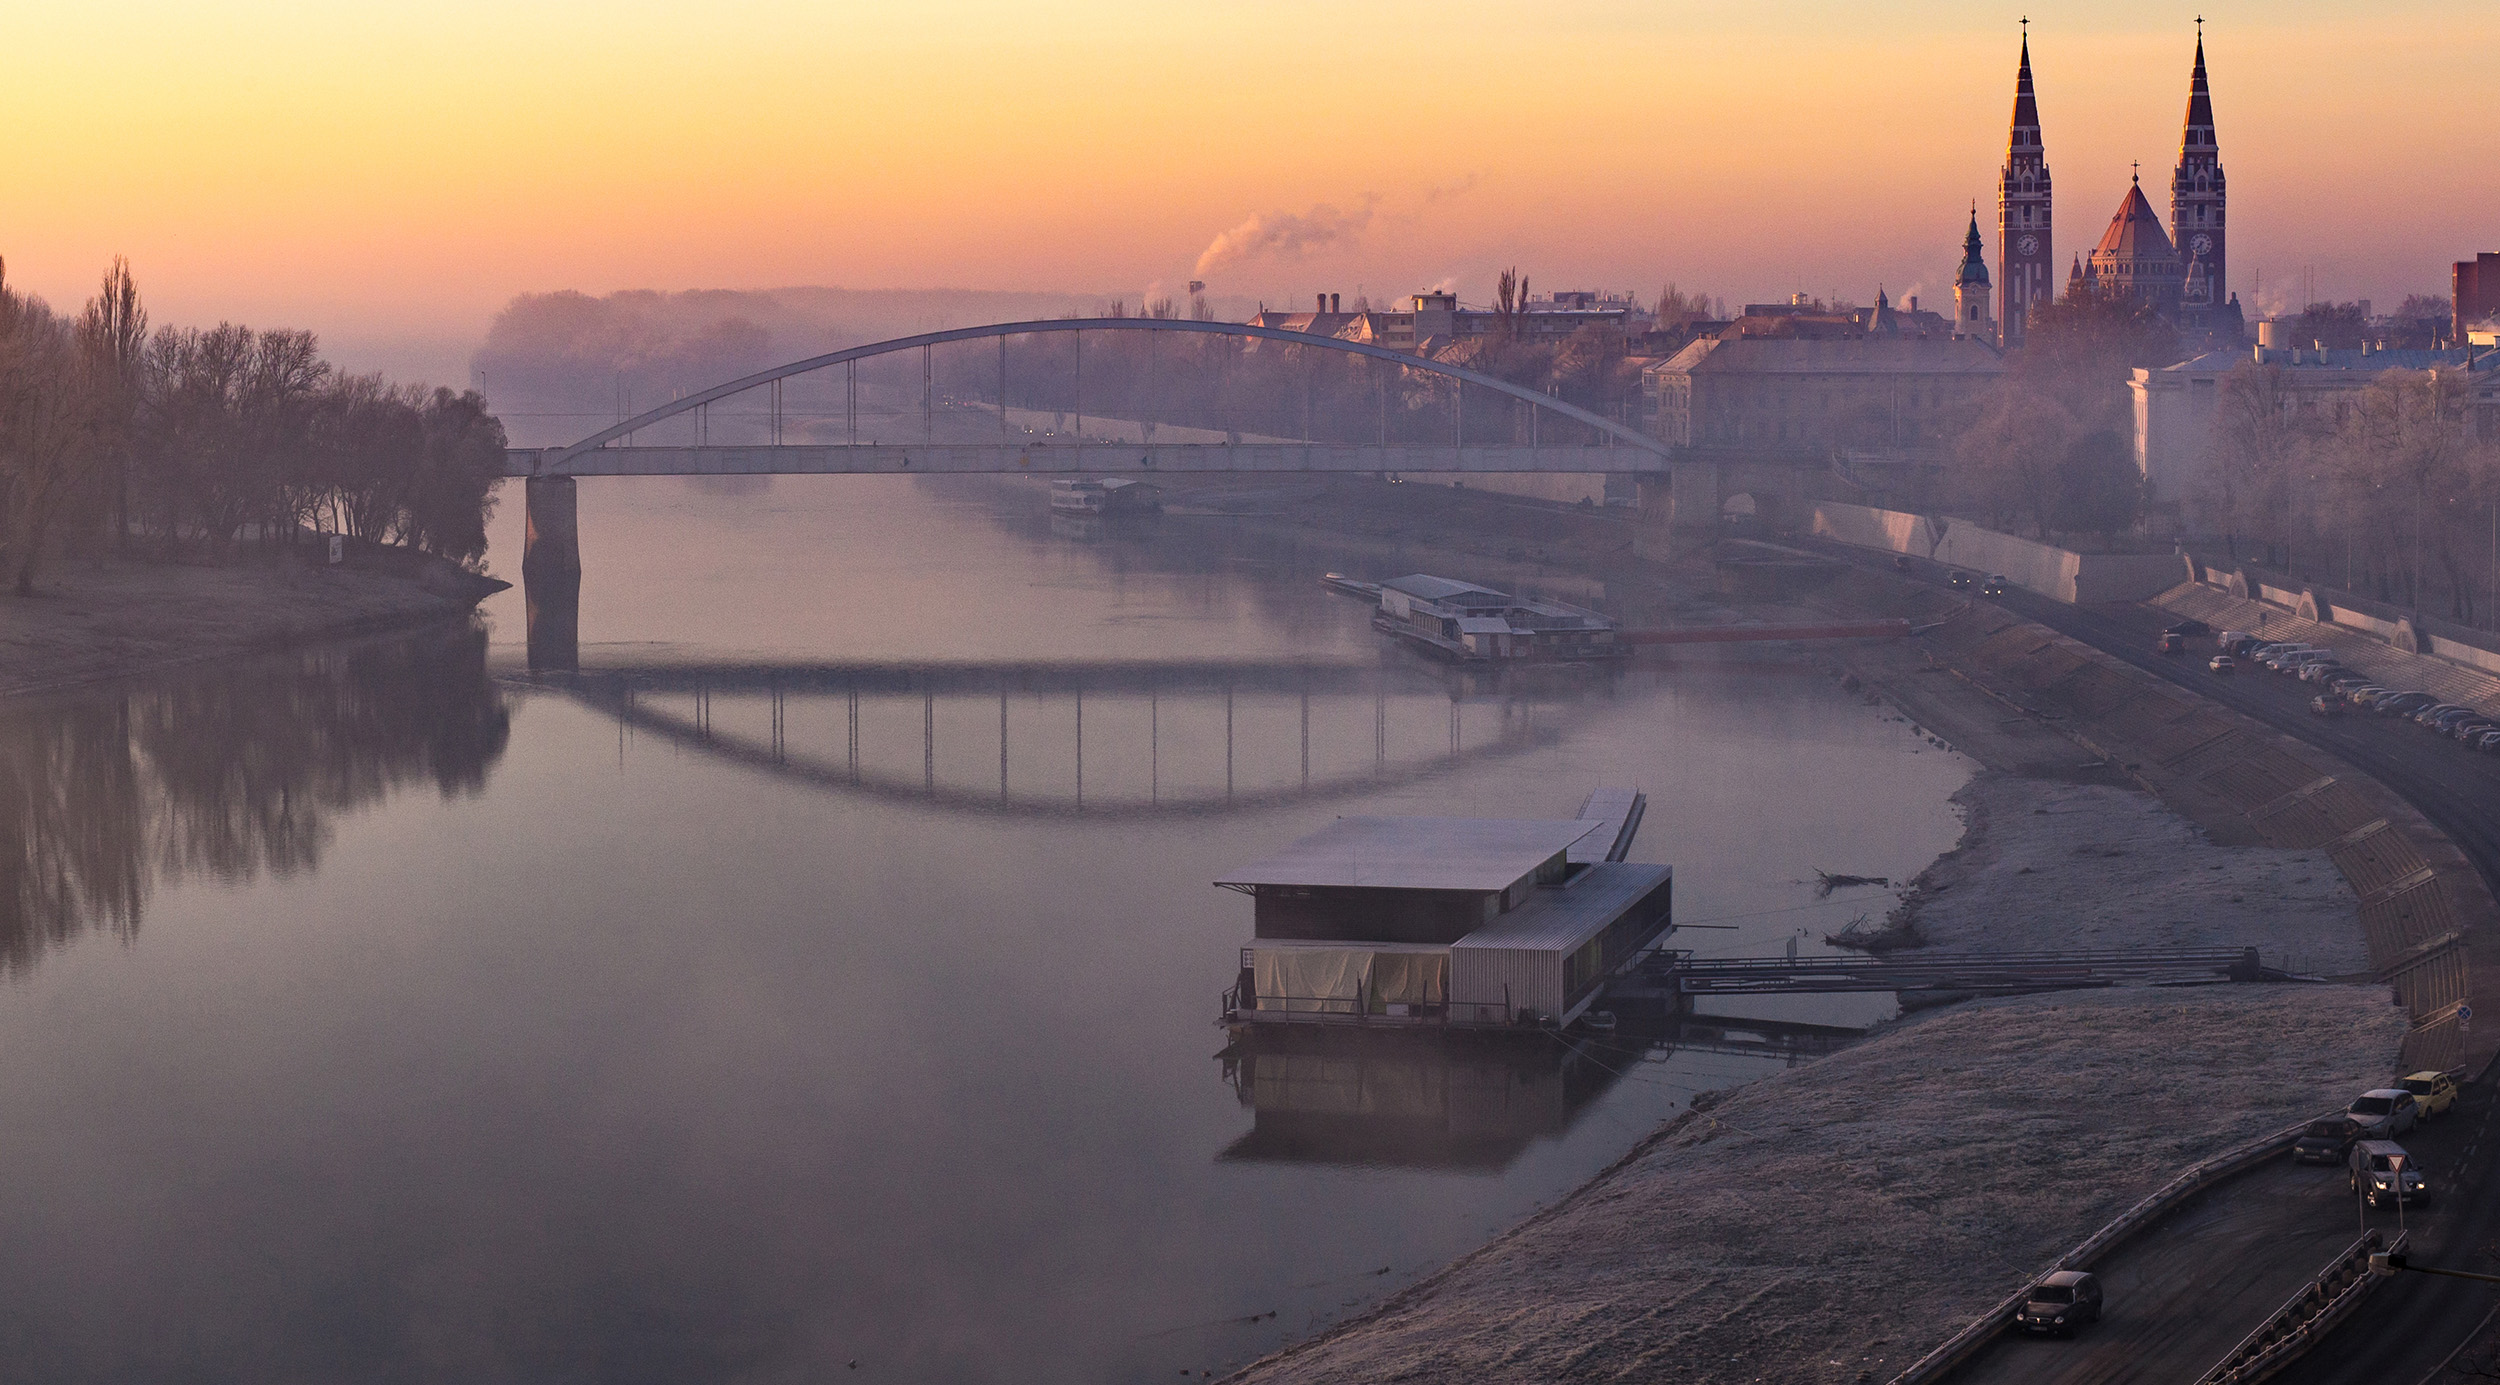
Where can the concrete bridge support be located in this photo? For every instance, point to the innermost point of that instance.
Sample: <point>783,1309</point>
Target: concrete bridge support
<point>1679,511</point>
<point>551,574</point>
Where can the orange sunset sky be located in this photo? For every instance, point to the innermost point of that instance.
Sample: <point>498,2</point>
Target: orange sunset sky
<point>389,174</point>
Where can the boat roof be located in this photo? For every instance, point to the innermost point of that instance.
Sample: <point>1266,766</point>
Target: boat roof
<point>1559,919</point>
<point>1473,854</point>
<point>1431,588</point>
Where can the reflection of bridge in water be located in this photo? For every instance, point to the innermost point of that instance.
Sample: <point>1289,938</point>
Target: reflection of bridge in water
<point>1110,739</point>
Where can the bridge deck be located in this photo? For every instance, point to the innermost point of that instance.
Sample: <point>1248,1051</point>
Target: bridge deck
<point>1074,459</point>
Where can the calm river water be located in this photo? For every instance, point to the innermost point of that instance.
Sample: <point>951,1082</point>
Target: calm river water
<point>377,1014</point>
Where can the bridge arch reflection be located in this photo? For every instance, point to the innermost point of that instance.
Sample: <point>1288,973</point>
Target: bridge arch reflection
<point>1110,739</point>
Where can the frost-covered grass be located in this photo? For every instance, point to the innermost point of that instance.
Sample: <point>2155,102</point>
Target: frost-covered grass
<point>2046,865</point>
<point>1834,1222</point>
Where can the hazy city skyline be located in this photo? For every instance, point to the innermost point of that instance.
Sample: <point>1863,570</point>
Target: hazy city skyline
<point>390,180</point>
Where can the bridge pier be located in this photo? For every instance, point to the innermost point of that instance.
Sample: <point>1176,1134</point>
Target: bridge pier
<point>551,574</point>
<point>1678,512</point>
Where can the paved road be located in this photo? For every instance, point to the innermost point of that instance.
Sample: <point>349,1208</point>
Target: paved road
<point>2407,1328</point>
<point>2185,1293</point>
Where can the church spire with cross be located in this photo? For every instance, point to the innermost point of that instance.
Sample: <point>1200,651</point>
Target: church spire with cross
<point>2026,254</point>
<point>2196,195</point>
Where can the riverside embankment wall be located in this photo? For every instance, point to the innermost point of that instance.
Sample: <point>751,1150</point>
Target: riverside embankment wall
<point>2058,573</point>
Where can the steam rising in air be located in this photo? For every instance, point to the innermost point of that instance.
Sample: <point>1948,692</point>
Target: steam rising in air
<point>1283,236</point>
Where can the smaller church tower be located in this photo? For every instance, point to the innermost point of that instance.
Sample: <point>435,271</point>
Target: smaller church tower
<point>1971,317</point>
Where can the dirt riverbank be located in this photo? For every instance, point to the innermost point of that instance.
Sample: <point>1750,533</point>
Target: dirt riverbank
<point>92,620</point>
<point>1836,1221</point>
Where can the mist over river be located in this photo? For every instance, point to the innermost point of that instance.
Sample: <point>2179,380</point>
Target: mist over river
<point>380,1013</point>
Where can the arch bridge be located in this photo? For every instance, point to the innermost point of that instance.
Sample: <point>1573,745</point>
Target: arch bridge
<point>1682,491</point>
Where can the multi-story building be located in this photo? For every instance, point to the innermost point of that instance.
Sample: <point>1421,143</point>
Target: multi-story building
<point>1875,390</point>
<point>2476,297</point>
<point>2176,406</point>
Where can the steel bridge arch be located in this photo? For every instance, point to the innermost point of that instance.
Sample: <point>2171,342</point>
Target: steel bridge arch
<point>552,461</point>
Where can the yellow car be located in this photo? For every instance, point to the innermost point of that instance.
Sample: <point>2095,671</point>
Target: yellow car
<point>2435,1091</point>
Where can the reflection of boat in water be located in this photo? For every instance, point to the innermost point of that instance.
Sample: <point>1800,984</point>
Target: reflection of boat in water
<point>1408,1099</point>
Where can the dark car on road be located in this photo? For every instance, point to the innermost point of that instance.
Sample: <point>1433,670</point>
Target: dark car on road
<point>1958,580</point>
<point>2324,1142</point>
<point>1994,586</point>
<point>2189,627</point>
<point>2060,1303</point>
<point>2382,1171</point>
<point>2326,706</point>
<point>2170,643</point>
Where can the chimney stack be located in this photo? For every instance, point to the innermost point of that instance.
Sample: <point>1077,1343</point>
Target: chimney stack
<point>1333,301</point>
<point>1323,304</point>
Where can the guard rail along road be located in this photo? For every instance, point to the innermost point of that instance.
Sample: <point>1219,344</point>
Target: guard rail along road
<point>2309,1315</point>
<point>1937,1364</point>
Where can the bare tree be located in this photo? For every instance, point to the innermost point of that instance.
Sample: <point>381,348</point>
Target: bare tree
<point>48,427</point>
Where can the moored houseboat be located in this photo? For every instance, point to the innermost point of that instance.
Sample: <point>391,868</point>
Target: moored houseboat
<point>1475,923</point>
<point>1462,621</point>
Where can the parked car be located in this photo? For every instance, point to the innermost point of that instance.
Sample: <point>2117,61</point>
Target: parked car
<point>2472,728</point>
<point>2169,644</point>
<point>1958,580</point>
<point>2398,704</point>
<point>2434,1091</point>
<point>2326,706</point>
<point>2188,627</point>
<point>2434,713</point>
<point>2324,1142</point>
<point>2060,1303</point>
<point>1994,586</point>
<point>2382,1113</point>
<point>2321,671</point>
<point>2345,685</point>
<point>2225,640</point>
<point>2222,663</point>
<point>2489,744</point>
<point>2383,1171</point>
<point>2289,660</point>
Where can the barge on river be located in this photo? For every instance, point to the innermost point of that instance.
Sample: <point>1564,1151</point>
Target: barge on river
<point>1459,620</point>
<point>1448,923</point>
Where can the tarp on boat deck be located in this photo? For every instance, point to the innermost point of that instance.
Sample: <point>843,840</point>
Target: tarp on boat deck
<point>1311,980</point>
<point>1409,978</point>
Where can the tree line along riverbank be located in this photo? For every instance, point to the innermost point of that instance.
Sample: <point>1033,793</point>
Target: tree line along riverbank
<point>179,444</point>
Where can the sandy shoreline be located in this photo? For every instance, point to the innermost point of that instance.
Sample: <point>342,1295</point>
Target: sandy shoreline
<point>94,620</point>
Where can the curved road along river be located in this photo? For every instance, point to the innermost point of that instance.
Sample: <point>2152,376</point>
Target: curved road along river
<point>2409,1326</point>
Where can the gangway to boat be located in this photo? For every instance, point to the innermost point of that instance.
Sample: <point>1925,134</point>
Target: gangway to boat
<point>1995,973</point>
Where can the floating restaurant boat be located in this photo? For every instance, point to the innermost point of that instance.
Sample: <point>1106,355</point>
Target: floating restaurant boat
<point>1450,923</point>
<point>1115,496</point>
<point>1463,621</point>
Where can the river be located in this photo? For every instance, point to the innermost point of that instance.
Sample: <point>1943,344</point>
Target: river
<point>378,1013</point>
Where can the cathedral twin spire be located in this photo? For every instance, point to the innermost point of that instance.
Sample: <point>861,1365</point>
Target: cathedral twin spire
<point>2183,272</point>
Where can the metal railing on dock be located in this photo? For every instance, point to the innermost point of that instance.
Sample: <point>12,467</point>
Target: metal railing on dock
<point>1995,972</point>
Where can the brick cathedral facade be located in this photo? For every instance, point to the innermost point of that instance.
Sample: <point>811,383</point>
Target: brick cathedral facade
<point>2181,272</point>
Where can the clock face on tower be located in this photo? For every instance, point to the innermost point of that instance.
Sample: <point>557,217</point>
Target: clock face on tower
<point>2028,245</point>
<point>2202,245</point>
